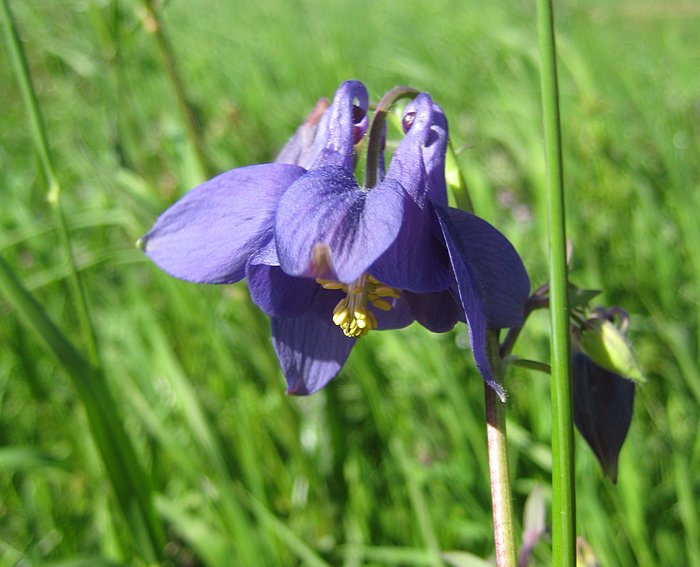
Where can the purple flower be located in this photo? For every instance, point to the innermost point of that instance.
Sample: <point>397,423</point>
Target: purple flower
<point>329,260</point>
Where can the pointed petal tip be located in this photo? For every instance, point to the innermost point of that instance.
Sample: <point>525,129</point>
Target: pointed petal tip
<point>500,392</point>
<point>611,473</point>
<point>310,357</point>
<point>297,390</point>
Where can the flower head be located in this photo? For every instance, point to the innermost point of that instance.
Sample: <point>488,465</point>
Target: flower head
<point>329,260</point>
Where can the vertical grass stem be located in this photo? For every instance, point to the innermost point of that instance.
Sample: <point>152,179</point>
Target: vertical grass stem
<point>40,138</point>
<point>564,512</point>
<point>130,482</point>
<point>155,26</point>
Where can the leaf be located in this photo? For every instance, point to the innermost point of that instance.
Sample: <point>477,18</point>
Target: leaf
<point>19,457</point>
<point>581,297</point>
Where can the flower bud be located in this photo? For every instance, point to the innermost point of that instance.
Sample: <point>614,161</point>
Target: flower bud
<point>603,404</point>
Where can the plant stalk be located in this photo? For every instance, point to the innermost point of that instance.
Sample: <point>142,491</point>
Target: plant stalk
<point>563,490</point>
<point>376,134</point>
<point>501,497</point>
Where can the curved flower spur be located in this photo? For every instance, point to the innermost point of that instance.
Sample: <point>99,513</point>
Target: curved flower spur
<point>329,260</point>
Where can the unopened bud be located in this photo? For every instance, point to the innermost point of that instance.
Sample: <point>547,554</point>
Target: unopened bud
<point>603,405</point>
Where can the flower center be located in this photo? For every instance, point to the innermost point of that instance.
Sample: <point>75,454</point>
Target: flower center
<point>351,313</point>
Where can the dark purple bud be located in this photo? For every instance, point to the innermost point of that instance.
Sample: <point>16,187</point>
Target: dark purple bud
<point>407,121</point>
<point>603,404</point>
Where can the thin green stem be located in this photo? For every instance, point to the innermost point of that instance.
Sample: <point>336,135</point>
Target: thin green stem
<point>530,364</point>
<point>38,130</point>
<point>564,506</point>
<point>154,24</point>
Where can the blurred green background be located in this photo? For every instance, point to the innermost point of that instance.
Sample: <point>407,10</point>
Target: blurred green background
<point>386,466</point>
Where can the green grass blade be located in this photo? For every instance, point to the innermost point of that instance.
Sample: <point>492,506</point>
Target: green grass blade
<point>41,144</point>
<point>418,503</point>
<point>28,458</point>
<point>298,546</point>
<point>130,482</point>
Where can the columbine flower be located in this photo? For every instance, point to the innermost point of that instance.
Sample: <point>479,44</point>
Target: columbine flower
<point>329,260</point>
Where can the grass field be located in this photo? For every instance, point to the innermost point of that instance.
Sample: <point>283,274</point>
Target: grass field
<point>387,465</point>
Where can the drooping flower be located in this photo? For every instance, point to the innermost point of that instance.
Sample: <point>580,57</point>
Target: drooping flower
<point>329,260</point>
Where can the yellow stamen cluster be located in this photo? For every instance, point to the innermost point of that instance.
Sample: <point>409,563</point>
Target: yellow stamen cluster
<point>351,314</point>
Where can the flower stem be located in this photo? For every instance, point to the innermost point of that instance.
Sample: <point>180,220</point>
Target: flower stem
<point>375,135</point>
<point>564,510</point>
<point>501,498</point>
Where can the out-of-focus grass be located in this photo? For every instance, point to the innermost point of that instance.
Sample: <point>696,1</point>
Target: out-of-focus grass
<point>389,462</point>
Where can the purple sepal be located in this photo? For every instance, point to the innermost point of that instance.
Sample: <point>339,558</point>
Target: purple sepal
<point>437,312</point>
<point>501,279</point>
<point>209,234</point>
<point>416,260</point>
<point>327,227</point>
<point>310,350</point>
<point>472,297</point>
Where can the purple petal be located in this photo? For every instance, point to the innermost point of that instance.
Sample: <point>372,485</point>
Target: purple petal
<point>470,295</point>
<point>398,317</point>
<point>416,260</point>
<point>501,277</point>
<point>326,226</point>
<point>407,165</point>
<point>276,293</point>
<point>438,312</point>
<point>434,157</point>
<point>209,234</point>
<point>419,161</point>
<point>310,351</point>
<point>340,128</point>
